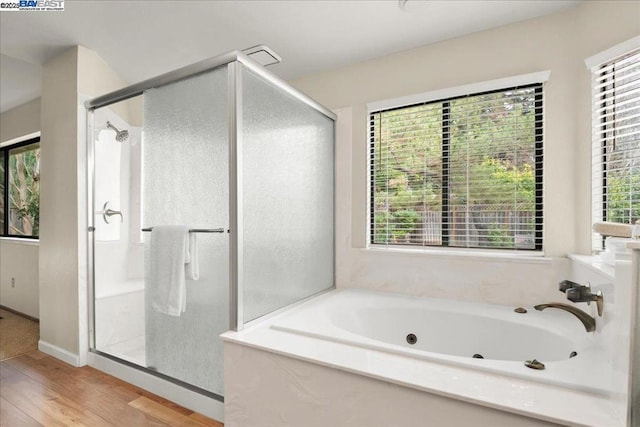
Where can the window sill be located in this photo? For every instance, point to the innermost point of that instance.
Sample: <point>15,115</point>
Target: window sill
<point>634,245</point>
<point>532,257</point>
<point>29,242</point>
<point>595,264</point>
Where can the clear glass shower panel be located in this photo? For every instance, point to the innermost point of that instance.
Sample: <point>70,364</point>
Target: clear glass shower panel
<point>287,198</point>
<point>185,183</point>
<point>118,267</point>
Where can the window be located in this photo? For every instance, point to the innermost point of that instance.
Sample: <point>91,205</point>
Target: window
<point>20,189</point>
<point>616,142</point>
<point>459,172</point>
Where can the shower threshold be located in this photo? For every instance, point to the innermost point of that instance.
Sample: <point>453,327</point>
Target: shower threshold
<point>131,350</point>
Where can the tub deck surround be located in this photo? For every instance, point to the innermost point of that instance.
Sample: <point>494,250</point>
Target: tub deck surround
<point>324,331</point>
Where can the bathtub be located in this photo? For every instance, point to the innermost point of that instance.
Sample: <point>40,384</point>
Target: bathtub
<point>480,336</point>
<point>424,345</point>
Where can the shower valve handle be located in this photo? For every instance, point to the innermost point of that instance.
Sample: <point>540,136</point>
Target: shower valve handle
<point>106,212</point>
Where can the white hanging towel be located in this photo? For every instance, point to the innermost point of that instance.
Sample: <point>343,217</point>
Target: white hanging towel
<point>192,266</point>
<point>168,259</point>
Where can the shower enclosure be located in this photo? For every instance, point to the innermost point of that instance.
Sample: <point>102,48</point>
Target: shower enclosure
<point>240,161</point>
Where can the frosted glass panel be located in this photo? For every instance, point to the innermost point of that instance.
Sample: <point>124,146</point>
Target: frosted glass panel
<point>287,198</point>
<point>185,182</point>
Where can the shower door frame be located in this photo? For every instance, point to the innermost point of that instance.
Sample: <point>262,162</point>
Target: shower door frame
<point>235,61</point>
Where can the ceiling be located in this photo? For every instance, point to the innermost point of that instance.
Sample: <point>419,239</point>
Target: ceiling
<point>141,39</point>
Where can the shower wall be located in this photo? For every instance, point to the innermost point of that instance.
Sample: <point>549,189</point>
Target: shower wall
<point>119,284</point>
<point>185,182</point>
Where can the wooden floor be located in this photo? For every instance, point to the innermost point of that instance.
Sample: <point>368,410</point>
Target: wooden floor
<point>39,390</point>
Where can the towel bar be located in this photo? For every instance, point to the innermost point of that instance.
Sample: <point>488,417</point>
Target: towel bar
<point>196,230</point>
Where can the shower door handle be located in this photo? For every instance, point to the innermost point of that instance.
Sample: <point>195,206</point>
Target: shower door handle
<point>106,212</point>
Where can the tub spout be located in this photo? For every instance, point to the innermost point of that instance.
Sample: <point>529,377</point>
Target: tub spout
<point>588,321</point>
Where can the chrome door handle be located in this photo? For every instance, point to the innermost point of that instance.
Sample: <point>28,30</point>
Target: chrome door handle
<point>106,212</point>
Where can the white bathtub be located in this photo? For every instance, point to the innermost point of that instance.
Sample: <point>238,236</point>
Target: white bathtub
<point>307,353</point>
<point>452,332</point>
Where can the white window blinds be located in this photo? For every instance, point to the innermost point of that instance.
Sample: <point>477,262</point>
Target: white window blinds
<point>616,142</point>
<point>460,172</point>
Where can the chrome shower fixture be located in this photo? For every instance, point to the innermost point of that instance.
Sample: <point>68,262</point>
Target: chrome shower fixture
<point>121,135</point>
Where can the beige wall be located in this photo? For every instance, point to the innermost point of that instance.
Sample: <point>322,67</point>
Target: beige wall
<point>558,43</point>
<point>68,79</point>
<point>58,203</point>
<point>19,259</point>
<point>20,121</point>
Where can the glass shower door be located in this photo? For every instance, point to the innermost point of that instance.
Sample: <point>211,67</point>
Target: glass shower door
<point>177,175</point>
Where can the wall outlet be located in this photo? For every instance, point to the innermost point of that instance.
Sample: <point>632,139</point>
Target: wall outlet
<point>13,282</point>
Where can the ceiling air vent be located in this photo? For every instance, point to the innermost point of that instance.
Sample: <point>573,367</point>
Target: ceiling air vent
<point>263,55</point>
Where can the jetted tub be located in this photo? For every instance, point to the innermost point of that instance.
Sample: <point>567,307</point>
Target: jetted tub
<point>453,332</point>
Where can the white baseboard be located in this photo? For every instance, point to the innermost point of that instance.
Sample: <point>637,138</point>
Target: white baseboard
<point>59,353</point>
<point>180,395</point>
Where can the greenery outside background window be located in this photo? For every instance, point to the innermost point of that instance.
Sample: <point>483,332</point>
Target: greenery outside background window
<point>459,172</point>
<point>20,189</point>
